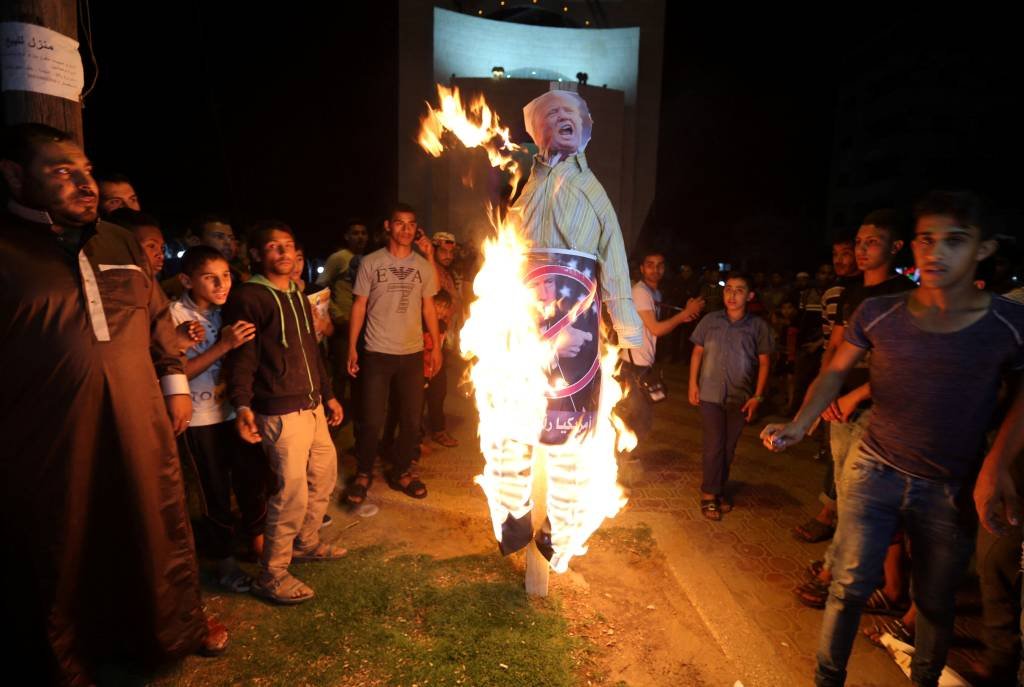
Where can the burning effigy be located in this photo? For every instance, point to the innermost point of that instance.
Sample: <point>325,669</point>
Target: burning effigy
<point>542,362</point>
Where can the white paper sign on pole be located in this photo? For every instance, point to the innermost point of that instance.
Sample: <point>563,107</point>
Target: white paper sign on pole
<point>37,59</point>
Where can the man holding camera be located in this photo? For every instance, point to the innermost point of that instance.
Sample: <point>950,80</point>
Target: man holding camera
<point>638,363</point>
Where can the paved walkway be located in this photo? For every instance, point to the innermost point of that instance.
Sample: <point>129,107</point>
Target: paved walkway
<point>739,573</point>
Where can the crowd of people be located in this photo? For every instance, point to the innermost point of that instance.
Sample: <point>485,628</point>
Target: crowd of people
<point>911,386</point>
<point>232,357</point>
<point>239,359</point>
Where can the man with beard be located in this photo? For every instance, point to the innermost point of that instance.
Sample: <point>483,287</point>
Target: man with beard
<point>99,559</point>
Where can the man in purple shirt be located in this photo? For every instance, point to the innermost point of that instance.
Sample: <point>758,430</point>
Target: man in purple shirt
<point>939,354</point>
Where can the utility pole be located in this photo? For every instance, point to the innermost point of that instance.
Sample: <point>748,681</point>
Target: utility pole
<point>25,106</point>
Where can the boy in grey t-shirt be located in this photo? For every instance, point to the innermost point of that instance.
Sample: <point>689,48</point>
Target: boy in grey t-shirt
<point>393,292</point>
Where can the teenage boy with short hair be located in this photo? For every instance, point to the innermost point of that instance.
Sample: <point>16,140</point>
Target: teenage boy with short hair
<point>223,463</point>
<point>940,353</point>
<point>728,374</point>
<point>279,386</point>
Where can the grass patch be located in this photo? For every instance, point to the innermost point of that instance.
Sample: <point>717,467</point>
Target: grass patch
<point>638,540</point>
<point>403,620</point>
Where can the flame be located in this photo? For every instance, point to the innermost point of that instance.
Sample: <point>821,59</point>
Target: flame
<point>509,367</point>
<point>509,371</point>
<point>477,127</point>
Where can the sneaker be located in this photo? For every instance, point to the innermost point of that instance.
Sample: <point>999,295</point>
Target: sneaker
<point>445,439</point>
<point>328,521</point>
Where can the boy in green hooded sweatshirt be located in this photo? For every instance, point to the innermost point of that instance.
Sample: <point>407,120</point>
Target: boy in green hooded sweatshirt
<point>279,386</point>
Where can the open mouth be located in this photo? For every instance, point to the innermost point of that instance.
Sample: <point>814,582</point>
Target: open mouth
<point>565,130</point>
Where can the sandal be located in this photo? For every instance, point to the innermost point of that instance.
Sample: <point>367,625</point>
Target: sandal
<point>444,439</point>
<point>813,593</point>
<point>321,552</point>
<point>813,531</point>
<point>356,492</point>
<point>879,604</point>
<point>893,626</point>
<point>288,590</point>
<point>711,509</point>
<point>235,580</point>
<point>814,569</point>
<point>414,488</point>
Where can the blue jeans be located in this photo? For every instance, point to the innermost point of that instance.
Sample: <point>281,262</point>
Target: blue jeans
<point>875,500</point>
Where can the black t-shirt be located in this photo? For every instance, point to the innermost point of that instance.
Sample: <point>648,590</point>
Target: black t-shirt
<point>851,298</point>
<point>855,294</point>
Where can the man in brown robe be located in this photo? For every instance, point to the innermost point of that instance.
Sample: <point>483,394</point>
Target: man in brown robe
<point>98,557</point>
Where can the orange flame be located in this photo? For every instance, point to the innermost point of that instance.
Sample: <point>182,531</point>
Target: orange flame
<point>510,363</point>
<point>477,127</point>
<point>509,372</point>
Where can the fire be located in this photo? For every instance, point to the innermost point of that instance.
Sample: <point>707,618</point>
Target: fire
<point>509,370</point>
<point>477,127</point>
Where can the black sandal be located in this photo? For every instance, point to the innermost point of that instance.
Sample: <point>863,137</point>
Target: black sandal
<point>415,488</point>
<point>711,509</point>
<point>813,531</point>
<point>813,593</point>
<point>358,491</point>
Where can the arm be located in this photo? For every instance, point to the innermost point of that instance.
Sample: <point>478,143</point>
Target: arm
<point>994,490</point>
<point>617,292</point>
<point>835,340</point>
<point>841,408</point>
<point>355,326</point>
<point>695,359</point>
<point>201,363</point>
<point>168,358</point>
<point>241,365</point>
<point>430,317</point>
<point>764,366</point>
<point>821,393</point>
<point>662,327</point>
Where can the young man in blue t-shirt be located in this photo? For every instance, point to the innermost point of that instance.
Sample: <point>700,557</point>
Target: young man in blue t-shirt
<point>939,354</point>
<point>728,374</point>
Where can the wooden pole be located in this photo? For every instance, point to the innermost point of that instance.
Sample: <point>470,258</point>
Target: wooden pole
<point>537,566</point>
<point>23,106</point>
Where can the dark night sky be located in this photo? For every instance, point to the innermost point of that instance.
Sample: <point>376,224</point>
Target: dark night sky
<point>286,113</point>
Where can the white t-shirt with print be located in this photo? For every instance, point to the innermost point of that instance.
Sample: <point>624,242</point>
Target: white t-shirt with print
<point>644,298</point>
<point>210,405</point>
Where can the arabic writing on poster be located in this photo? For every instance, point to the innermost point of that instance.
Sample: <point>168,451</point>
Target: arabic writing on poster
<point>37,59</point>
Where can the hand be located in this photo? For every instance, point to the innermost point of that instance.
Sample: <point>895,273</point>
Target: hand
<point>237,334</point>
<point>426,246</point>
<point>188,334</point>
<point>436,360</point>
<point>322,325</point>
<point>840,409</point>
<point>570,340</point>
<point>334,412</point>
<point>245,423</point>
<point>179,408</point>
<point>995,497</point>
<point>353,363</point>
<point>694,395</point>
<point>749,408</point>
<point>693,309</point>
<point>780,437</point>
